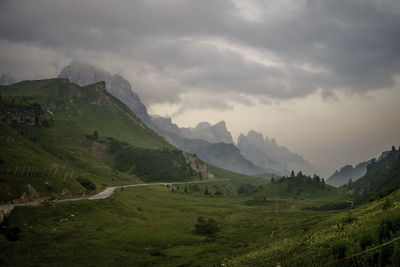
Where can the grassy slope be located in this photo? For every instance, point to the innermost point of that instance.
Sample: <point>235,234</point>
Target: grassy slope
<point>303,188</point>
<point>64,145</point>
<point>149,226</point>
<point>114,120</point>
<point>56,161</point>
<point>382,178</point>
<point>330,238</point>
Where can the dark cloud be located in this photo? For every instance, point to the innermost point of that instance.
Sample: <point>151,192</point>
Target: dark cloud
<point>288,49</point>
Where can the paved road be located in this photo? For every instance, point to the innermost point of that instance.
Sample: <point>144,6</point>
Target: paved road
<point>104,194</point>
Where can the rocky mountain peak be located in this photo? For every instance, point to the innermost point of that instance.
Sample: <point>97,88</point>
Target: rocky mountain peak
<point>255,137</point>
<point>84,74</point>
<point>202,125</point>
<point>217,133</point>
<point>269,154</point>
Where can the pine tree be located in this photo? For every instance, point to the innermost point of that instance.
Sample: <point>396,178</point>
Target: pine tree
<point>206,191</point>
<point>292,174</point>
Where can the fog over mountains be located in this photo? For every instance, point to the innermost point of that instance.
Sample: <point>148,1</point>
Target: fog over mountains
<point>212,143</point>
<point>268,153</point>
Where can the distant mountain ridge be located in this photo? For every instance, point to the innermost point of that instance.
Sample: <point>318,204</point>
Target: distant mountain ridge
<point>120,88</point>
<point>212,143</point>
<point>221,154</point>
<point>347,172</point>
<point>217,133</point>
<point>268,154</point>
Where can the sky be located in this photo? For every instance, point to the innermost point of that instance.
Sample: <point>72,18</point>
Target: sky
<point>322,77</point>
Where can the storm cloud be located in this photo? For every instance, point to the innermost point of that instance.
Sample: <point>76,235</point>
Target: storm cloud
<point>235,50</point>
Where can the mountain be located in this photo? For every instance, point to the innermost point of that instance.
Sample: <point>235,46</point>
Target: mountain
<point>222,155</point>
<point>6,79</point>
<point>165,125</point>
<point>202,140</point>
<point>347,172</point>
<point>382,178</point>
<point>84,74</point>
<point>60,139</point>
<point>268,154</point>
<point>217,133</point>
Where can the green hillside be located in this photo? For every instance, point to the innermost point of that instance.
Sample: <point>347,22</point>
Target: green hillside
<point>382,178</point>
<point>57,141</point>
<point>358,238</point>
<point>88,108</point>
<point>297,187</point>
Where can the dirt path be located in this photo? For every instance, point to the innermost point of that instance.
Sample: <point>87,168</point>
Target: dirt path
<point>104,194</point>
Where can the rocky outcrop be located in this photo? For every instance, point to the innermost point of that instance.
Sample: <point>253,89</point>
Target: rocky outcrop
<point>102,98</point>
<point>198,166</point>
<point>71,91</point>
<point>29,114</point>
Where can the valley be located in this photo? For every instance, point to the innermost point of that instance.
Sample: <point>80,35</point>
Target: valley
<point>81,174</point>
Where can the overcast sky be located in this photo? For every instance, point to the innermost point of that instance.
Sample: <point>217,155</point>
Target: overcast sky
<point>322,77</point>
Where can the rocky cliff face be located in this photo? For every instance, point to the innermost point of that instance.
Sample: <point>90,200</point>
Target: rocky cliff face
<point>211,143</point>
<point>217,133</point>
<point>226,156</point>
<point>84,74</point>
<point>24,114</point>
<point>198,166</point>
<point>165,125</point>
<point>268,154</point>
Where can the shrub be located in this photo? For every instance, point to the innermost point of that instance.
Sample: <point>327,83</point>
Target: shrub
<point>86,183</point>
<point>11,233</point>
<point>365,241</point>
<point>338,249</point>
<point>388,204</point>
<point>206,228</point>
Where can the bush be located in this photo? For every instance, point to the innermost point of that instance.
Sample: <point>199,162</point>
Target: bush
<point>86,183</point>
<point>206,228</point>
<point>338,249</point>
<point>366,240</point>
<point>11,233</point>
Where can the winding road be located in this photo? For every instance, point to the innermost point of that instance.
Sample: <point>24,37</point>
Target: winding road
<point>104,194</point>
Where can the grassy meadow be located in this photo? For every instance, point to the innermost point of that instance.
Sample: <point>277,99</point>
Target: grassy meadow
<point>153,226</point>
